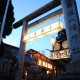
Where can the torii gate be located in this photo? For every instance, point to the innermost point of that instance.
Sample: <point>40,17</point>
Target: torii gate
<point>71,22</point>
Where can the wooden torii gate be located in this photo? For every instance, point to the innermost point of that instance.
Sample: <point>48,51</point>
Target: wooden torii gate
<point>66,7</point>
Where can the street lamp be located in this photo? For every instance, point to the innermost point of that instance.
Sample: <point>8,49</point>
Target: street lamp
<point>52,42</point>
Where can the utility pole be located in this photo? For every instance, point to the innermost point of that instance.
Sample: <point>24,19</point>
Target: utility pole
<point>3,22</point>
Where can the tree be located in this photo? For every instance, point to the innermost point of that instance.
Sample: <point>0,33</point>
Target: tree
<point>9,18</point>
<point>61,36</point>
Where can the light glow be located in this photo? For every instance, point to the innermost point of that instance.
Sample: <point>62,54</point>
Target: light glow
<point>52,41</point>
<point>44,64</point>
<point>39,63</point>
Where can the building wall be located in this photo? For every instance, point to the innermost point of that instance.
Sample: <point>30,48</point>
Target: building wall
<point>10,48</point>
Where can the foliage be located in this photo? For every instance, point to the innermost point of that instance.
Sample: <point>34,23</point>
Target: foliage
<point>9,18</point>
<point>61,36</point>
<point>7,31</point>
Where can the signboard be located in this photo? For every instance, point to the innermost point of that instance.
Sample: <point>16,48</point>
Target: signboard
<point>53,28</point>
<point>61,54</point>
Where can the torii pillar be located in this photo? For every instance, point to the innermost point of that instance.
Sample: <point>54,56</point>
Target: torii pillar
<point>72,28</point>
<point>21,53</point>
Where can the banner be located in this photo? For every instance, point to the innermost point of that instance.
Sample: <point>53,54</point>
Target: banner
<point>61,54</point>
